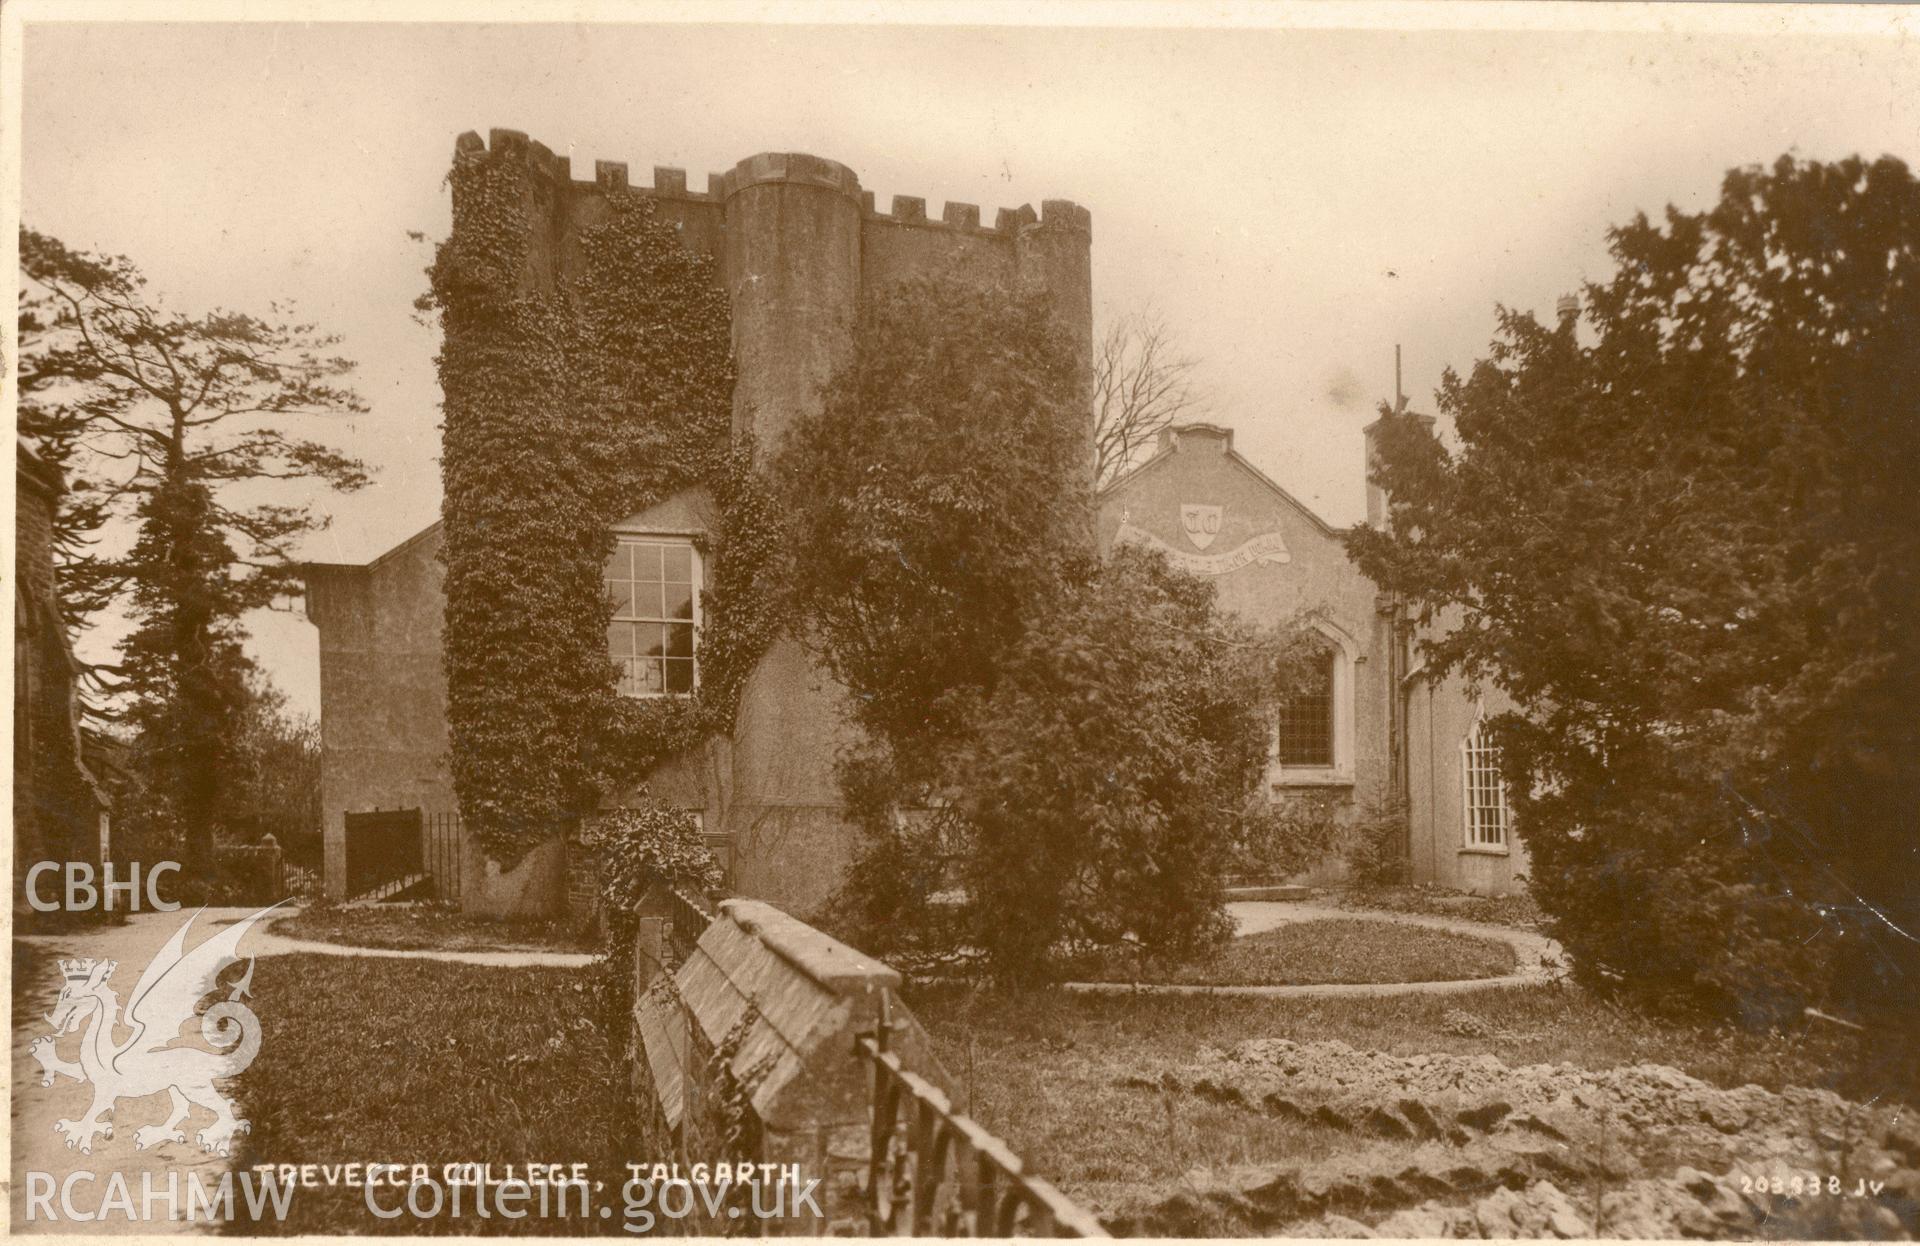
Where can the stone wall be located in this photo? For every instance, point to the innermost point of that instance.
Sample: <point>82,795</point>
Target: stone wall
<point>755,1029</point>
<point>383,698</point>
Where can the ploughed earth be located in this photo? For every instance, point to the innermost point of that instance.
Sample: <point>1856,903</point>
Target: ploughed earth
<point>1446,1145</point>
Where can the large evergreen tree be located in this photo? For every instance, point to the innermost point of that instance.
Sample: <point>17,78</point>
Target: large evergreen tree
<point>51,414</point>
<point>178,414</point>
<point>1682,532</point>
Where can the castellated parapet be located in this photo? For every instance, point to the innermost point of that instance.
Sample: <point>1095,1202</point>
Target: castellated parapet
<point>800,244</point>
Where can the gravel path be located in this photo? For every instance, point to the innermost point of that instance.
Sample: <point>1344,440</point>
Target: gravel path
<point>1534,955</point>
<point>41,1156</point>
<point>270,944</point>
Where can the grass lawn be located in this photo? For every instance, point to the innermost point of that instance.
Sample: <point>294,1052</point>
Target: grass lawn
<point>1518,911</point>
<point>430,1062</point>
<point>427,926</point>
<point>1350,950</point>
<point>1070,1080</point>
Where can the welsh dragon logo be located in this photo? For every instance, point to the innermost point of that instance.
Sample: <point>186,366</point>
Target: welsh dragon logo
<point>150,1059</point>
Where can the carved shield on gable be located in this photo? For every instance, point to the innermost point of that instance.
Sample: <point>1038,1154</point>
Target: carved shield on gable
<point>1202,523</point>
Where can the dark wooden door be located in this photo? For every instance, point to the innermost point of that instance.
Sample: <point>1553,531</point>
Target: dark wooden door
<point>381,847</point>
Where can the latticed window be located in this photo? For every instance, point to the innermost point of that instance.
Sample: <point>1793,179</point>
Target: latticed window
<point>1486,790</point>
<point>1306,718</point>
<point>654,583</point>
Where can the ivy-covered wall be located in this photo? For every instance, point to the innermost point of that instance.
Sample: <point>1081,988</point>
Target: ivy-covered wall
<point>572,398</point>
<point>614,352</point>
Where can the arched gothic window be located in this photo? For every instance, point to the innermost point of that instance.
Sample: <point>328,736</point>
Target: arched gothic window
<point>1306,719</point>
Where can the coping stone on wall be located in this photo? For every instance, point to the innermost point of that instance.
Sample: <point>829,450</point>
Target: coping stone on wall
<point>797,997</point>
<point>820,956</point>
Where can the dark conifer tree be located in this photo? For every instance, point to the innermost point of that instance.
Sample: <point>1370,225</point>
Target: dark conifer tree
<point>181,414</point>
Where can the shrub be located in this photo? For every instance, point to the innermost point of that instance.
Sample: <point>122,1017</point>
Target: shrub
<point>935,498</point>
<point>897,897</point>
<point>1098,797</point>
<point>1112,770</point>
<point>1290,834</point>
<point>1376,845</point>
<point>1058,752</point>
<point>249,874</point>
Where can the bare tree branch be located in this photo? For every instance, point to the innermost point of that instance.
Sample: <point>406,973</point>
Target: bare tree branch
<point>1141,385</point>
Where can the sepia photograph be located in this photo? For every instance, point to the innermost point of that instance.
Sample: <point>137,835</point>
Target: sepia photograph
<point>974,619</point>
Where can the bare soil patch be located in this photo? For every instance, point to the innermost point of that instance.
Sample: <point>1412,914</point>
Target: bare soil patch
<point>1471,1146</point>
<point>1136,1106</point>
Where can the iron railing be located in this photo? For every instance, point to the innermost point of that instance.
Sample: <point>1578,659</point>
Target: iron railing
<point>692,913</point>
<point>444,843</point>
<point>934,1171</point>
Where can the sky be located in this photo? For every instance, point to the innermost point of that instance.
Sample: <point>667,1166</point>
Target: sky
<point>1294,203</point>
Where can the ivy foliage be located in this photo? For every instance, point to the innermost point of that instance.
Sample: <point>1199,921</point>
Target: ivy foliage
<point>935,497</point>
<point>1056,750</point>
<point>638,847</point>
<point>1682,535</point>
<point>566,409</point>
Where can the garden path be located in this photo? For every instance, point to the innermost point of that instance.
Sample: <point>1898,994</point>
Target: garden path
<point>38,1149</point>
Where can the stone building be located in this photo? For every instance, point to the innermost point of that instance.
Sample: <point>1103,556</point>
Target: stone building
<point>1376,729</point>
<point>799,244</point>
<point>1271,559</point>
<point>59,811</point>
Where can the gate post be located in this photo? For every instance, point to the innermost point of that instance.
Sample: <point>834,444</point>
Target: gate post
<point>273,868</point>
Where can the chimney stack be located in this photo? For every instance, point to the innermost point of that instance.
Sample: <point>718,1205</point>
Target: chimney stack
<point>1376,496</point>
<point>1568,308</point>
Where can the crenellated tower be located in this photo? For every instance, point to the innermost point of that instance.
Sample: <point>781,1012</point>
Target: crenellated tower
<point>800,244</point>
